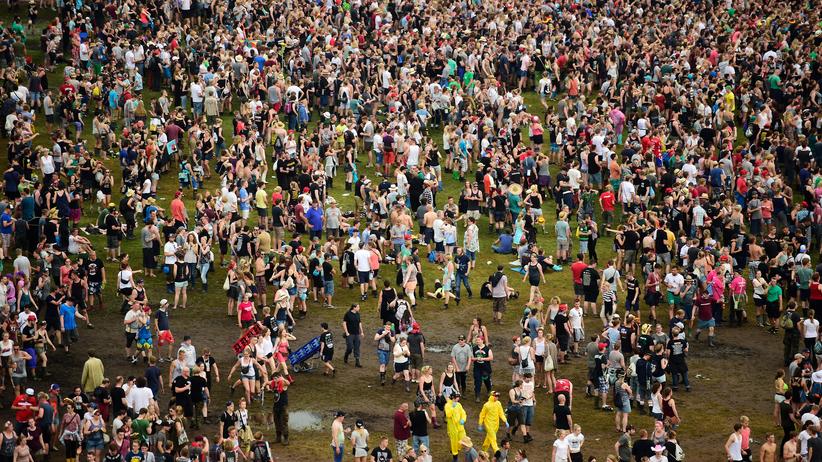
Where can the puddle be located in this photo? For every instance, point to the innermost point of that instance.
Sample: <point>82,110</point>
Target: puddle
<point>301,421</point>
<point>438,348</point>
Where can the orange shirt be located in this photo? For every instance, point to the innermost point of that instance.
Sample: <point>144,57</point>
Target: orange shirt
<point>178,210</point>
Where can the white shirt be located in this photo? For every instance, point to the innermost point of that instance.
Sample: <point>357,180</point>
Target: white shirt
<point>574,176</point>
<point>674,282</point>
<point>139,398</point>
<point>575,442</point>
<point>362,260</point>
<point>626,192</point>
<point>191,354</point>
<point>562,450</point>
<point>439,236</point>
<point>170,247</point>
<point>811,327</point>
<point>575,317</point>
<point>196,92</point>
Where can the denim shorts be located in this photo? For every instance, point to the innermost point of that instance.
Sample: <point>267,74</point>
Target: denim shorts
<point>382,357</point>
<point>527,414</point>
<point>328,286</point>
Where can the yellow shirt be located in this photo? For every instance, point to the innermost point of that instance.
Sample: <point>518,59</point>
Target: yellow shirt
<point>260,198</point>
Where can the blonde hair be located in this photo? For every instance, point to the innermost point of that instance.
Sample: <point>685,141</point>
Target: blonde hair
<point>526,340</point>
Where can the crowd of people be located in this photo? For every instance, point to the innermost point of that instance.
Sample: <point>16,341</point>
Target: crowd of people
<point>684,133</point>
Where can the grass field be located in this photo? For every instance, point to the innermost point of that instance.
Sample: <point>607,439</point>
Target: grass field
<point>728,381</point>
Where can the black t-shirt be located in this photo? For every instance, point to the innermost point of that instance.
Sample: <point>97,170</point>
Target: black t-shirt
<point>590,280</point>
<point>561,413</point>
<point>593,165</point>
<point>642,448</point>
<point>419,423</point>
<point>661,242</point>
<point>559,321</point>
<point>183,397</point>
<point>352,322</point>
<point>208,365</point>
<point>94,270</point>
<point>228,421</point>
<point>625,333</point>
<point>327,339</point>
<point>381,455</point>
<point>117,396</point>
<point>328,271</point>
<point>277,216</point>
<point>631,240</point>
<point>198,385</point>
<point>815,446</point>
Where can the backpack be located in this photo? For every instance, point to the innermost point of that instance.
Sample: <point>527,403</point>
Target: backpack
<point>785,321</point>
<point>679,453</point>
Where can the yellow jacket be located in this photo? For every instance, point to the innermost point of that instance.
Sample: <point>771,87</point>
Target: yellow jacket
<point>492,413</point>
<point>454,414</point>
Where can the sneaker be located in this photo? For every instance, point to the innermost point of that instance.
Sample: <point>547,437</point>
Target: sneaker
<point>134,360</point>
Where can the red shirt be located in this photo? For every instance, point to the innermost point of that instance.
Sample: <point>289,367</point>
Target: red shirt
<point>178,210</point>
<point>608,201</point>
<point>562,385</point>
<point>576,270</point>
<point>815,292</point>
<point>402,426</point>
<point>26,401</point>
<point>741,185</point>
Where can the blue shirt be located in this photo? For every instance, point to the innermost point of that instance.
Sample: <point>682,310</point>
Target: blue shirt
<point>27,207</point>
<point>244,204</point>
<point>315,218</point>
<point>5,218</point>
<point>68,314</point>
<point>462,264</point>
<point>505,243</point>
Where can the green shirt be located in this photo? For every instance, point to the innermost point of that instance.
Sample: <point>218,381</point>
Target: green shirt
<point>774,292</point>
<point>774,81</point>
<point>803,277</point>
<point>140,427</point>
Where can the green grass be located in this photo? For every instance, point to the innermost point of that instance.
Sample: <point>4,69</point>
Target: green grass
<point>358,392</point>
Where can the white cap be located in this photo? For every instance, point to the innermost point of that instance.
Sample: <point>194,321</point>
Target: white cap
<point>163,302</point>
<point>30,391</point>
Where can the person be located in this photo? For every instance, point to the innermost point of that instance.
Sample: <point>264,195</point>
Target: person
<point>382,453</point>
<point>419,427</point>
<point>767,452</point>
<point>469,452</point>
<point>489,419</point>
<point>561,417</point>
<point>384,338</point>
<point>482,356</point>
<point>402,428</point>
<point>93,372</point>
<point>575,442</point>
<point>733,446</point>
<point>327,349</point>
<point>455,418</point>
<point>500,293</point>
<point>338,436</point>
<point>359,441</point>
<point>560,450</point>
<point>352,332</point>
<point>624,445</point>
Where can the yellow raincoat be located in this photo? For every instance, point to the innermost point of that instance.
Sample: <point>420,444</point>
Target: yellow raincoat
<point>489,418</point>
<point>455,423</point>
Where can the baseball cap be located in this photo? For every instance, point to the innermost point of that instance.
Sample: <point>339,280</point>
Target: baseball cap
<point>602,346</point>
<point>164,302</point>
<point>32,317</point>
<point>30,391</point>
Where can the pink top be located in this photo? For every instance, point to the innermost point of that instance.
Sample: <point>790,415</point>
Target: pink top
<point>738,285</point>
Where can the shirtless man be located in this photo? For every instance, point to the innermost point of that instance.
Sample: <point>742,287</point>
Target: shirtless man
<point>428,221</point>
<point>767,453</point>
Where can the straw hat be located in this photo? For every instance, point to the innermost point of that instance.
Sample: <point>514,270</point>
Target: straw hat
<point>466,441</point>
<point>515,189</point>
